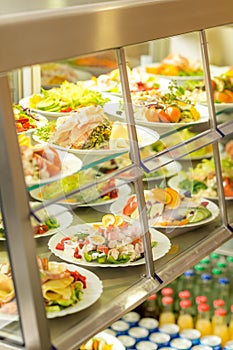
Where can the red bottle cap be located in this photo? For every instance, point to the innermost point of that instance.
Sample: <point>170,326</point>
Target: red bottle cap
<point>167,300</point>
<point>201,299</point>
<point>185,303</point>
<point>167,292</point>
<point>152,297</point>
<point>184,294</point>
<point>203,307</point>
<point>220,312</point>
<point>218,303</point>
<point>231,308</point>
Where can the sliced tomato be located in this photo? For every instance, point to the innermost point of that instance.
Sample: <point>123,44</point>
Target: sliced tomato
<point>130,206</point>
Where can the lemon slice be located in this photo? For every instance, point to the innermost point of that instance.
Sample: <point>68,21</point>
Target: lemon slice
<point>24,140</point>
<point>119,220</point>
<point>108,219</point>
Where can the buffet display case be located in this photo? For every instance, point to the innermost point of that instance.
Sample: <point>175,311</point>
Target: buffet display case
<point>48,32</point>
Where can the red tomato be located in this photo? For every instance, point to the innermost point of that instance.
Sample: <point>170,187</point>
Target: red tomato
<point>130,206</point>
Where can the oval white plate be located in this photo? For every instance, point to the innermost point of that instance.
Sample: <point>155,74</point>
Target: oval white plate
<point>146,137</point>
<point>70,165</point>
<point>174,183</point>
<point>117,207</point>
<point>110,339</point>
<point>113,108</point>
<point>161,248</point>
<point>122,191</point>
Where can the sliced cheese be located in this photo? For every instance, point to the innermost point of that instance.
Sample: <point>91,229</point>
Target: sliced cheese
<point>56,289</point>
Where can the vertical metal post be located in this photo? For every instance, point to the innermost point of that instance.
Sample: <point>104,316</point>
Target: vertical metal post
<point>213,125</point>
<point>135,157</point>
<point>20,239</point>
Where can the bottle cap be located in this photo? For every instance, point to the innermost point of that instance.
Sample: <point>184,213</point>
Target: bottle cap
<point>203,307</point>
<point>230,259</point>
<point>218,303</point>
<point>220,312</point>
<point>184,294</point>
<point>206,277</point>
<point>199,267</point>
<point>201,299</point>
<point>205,261</point>
<point>223,280</point>
<point>152,297</point>
<point>214,256</point>
<point>221,264</point>
<point>185,303</point>
<point>189,273</point>
<point>167,300</point>
<point>216,271</point>
<point>231,307</point>
<point>167,292</point>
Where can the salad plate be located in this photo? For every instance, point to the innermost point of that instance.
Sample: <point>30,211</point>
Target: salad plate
<point>74,201</point>
<point>110,340</point>
<point>146,137</point>
<point>182,212</point>
<point>161,247</point>
<point>25,103</point>
<point>175,182</point>
<point>115,109</point>
<point>55,217</point>
<point>70,165</point>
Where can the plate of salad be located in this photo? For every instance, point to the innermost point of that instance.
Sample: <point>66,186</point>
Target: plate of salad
<point>113,242</point>
<point>27,121</point>
<point>66,289</point>
<point>160,109</point>
<point>101,194</point>
<point>63,100</point>
<point>201,180</point>
<point>51,219</point>
<point>103,341</point>
<point>166,207</point>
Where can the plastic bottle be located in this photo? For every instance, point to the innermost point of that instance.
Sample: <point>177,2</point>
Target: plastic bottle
<point>149,308</point>
<point>220,328</point>
<point>214,258</point>
<point>199,270</point>
<point>206,263</point>
<point>223,290</point>
<point>206,286</point>
<point>185,320</point>
<point>203,323</point>
<point>230,328</point>
<point>167,315</point>
<point>217,304</point>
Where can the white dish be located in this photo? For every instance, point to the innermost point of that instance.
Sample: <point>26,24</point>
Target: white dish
<point>91,293</point>
<point>61,213</point>
<point>174,183</point>
<point>110,339</point>
<point>170,169</point>
<point>113,108</point>
<point>220,107</point>
<point>70,165</point>
<point>41,122</point>
<point>116,208</point>
<point>146,137</point>
<point>24,102</point>
<point>122,191</point>
<point>158,251</point>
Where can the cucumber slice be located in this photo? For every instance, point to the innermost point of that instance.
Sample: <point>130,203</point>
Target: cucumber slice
<point>198,214</point>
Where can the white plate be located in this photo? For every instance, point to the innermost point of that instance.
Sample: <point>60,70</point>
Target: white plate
<point>170,170</point>
<point>41,122</point>
<point>146,137</point>
<point>174,183</point>
<point>62,214</point>
<point>220,107</point>
<point>24,102</point>
<point>110,339</point>
<point>70,165</point>
<point>122,191</point>
<point>116,208</point>
<point>113,108</point>
<point>158,251</point>
<point>91,293</point>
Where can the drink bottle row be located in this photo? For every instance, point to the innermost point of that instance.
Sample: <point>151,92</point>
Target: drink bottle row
<point>199,299</point>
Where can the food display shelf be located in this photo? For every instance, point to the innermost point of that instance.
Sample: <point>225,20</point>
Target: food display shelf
<point>40,30</point>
